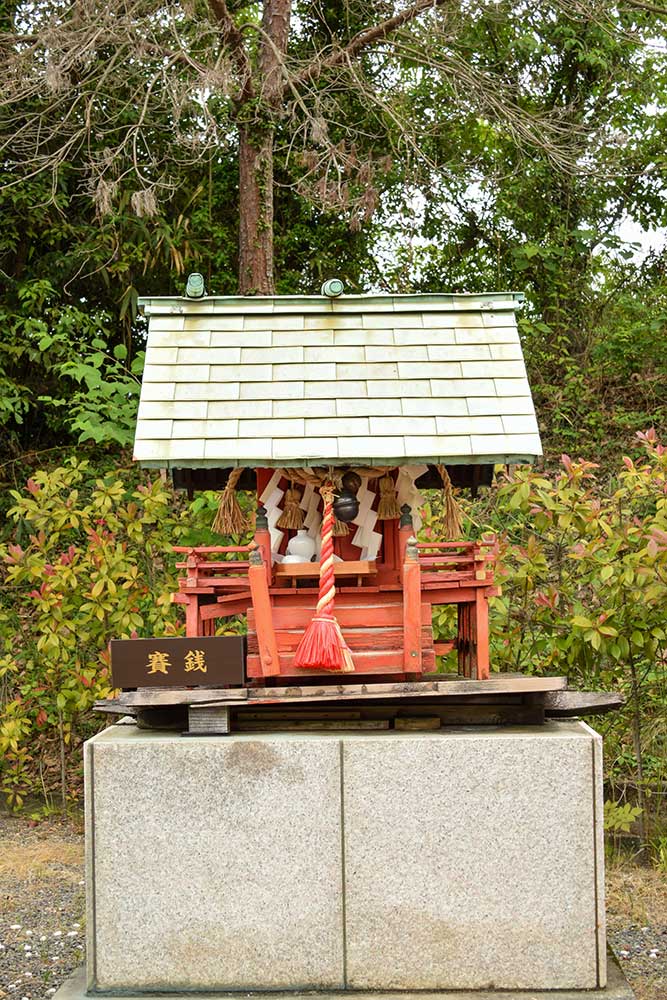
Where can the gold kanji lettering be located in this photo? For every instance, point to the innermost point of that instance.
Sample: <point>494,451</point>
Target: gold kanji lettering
<point>195,660</point>
<point>158,662</point>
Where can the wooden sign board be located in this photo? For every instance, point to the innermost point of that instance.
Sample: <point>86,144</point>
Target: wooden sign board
<point>198,662</point>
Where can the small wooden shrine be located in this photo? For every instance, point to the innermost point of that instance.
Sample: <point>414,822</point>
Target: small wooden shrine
<point>372,397</point>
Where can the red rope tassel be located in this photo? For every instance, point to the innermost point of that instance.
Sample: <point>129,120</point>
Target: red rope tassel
<point>323,646</point>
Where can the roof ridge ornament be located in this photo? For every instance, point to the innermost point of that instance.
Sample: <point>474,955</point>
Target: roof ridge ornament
<point>333,288</point>
<point>194,288</point>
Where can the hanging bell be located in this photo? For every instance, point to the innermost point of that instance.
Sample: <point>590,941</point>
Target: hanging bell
<point>351,481</point>
<point>346,506</point>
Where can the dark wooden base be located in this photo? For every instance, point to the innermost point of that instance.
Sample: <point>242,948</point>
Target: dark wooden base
<point>505,699</point>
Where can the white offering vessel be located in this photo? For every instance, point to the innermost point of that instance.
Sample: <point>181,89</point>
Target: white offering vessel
<point>302,546</point>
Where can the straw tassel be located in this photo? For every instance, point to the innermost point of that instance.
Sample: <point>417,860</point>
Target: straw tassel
<point>323,646</point>
<point>292,515</point>
<point>452,513</point>
<point>229,519</point>
<point>388,508</point>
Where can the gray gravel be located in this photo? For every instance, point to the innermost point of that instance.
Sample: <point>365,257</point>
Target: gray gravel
<point>41,908</point>
<point>642,952</point>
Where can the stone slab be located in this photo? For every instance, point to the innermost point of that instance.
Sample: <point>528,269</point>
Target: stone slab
<point>213,862</point>
<point>617,988</point>
<point>471,860</point>
<point>468,858</point>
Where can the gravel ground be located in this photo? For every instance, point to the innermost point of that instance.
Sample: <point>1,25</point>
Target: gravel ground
<point>41,906</point>
<point>42,913</point>
<point>637,926</point>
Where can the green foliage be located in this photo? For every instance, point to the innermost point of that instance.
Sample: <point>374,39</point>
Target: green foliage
<point>583,570</point>
<point>94,563</point>
<point>90,560</point>
<point>659,853</point>
<point>619,817</point>
<point>103,405</point>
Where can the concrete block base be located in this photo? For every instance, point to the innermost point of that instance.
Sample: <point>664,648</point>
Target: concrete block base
<point>465,859</point>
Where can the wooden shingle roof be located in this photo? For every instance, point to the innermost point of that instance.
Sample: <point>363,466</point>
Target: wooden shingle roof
<point>315,381</point>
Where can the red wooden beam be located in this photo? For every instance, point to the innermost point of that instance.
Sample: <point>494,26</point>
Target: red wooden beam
<point>412,647</point>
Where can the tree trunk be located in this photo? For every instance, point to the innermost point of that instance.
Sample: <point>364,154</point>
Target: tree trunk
<point>255,212</point>
<point>256,157</point>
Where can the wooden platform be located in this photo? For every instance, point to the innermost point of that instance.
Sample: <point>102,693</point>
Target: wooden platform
<point>507,699</point>
<point>445,686</point>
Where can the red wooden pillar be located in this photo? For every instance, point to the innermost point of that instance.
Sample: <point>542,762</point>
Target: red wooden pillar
<point>412,627</point>
<point>261,603</point>
<point>481,616</point>
<point>192,620</point>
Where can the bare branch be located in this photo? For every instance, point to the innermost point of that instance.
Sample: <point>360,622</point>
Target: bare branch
<point>233,38</point>
<point>650,8</point>
<point>363,40</point>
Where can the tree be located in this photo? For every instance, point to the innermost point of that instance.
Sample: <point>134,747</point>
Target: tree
<point>309,95</point>
<point>495,215</point>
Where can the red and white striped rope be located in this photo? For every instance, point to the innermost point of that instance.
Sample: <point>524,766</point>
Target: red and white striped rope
<point>327,593</point>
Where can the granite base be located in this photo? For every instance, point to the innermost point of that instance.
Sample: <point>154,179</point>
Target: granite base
<point>465,859</point>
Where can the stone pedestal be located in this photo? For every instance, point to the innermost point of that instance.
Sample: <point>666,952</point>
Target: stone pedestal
<point>469,858</point>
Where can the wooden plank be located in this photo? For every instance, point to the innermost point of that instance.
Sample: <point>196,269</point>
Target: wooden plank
<point>349,568</point>
<point>215,584</point>
<point>310,725</point>
<point>237,605</point>
<point>381,662</point>
<point>445,686</point>
<point>443,560</point>
<point>565,704</point>
<point>370,639</point>
<point>113,706</point>
<point>417,723</point>
<point>207,549</point>
<point>449,546</point>
<point>149,697</point>
<point>491,715</point>
<point>294,597</point>
<point>206,568</point>
<point>288,714</point>
<point>193,624</point>
<point>349,616</point>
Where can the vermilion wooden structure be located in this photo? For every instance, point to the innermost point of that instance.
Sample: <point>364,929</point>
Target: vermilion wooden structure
<point>289,393</point>
<point>384,606</point>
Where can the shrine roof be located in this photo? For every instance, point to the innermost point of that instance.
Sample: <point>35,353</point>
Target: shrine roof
<point>310,380</point>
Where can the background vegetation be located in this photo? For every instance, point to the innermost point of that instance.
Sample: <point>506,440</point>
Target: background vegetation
<point>529,178</point>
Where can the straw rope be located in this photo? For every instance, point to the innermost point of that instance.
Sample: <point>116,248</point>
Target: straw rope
<point>452,513</point>
<point>229,519</point>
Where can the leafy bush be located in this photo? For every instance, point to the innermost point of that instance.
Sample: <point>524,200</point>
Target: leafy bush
<point>94,564</point>
<point>90,560</point>
<point>583,570</point>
